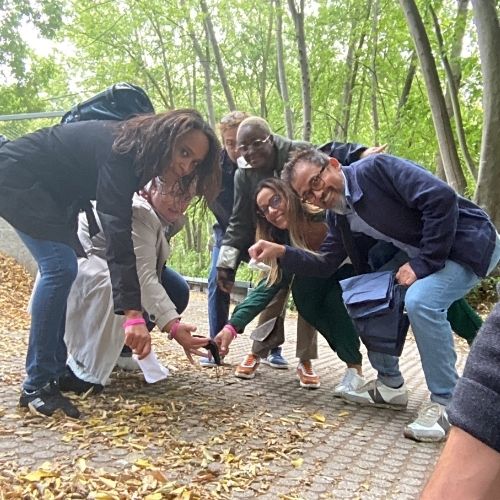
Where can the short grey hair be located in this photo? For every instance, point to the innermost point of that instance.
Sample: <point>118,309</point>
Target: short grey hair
<point>306,155</point>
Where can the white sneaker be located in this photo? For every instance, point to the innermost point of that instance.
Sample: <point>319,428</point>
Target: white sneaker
<point>350,382</point>
<point>375,393</point>
<point>127,363</point>
<point>207,362</point>
<point>431,424</point>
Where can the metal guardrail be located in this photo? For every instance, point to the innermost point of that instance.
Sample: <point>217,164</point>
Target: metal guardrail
<point>240,289</point>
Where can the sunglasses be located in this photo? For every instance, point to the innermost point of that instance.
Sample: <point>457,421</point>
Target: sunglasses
<point>274,203</point>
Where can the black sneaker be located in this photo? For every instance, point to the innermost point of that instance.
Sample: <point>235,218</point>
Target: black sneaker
<point>70,382</point>
<point>47,400</point>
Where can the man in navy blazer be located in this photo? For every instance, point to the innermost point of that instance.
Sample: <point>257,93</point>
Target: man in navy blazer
<point>450,243</point>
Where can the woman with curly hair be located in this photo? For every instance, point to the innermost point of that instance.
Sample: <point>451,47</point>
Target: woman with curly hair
<point>49,176</point>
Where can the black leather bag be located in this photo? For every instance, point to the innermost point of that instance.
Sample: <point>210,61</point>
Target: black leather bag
<point>118,102</point>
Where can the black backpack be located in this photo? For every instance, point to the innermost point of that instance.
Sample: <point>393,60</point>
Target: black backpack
<point>118,102</point>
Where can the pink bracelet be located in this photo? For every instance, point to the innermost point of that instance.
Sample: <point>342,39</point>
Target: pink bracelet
<point>232,329</point>
<point>134,321</point>
<point>173,330</point>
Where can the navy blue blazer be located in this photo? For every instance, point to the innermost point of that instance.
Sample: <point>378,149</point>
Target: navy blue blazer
<point>407,203</point>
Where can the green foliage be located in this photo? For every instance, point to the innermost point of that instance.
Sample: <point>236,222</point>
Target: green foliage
<point>484,296</point>
<point>150,43</point>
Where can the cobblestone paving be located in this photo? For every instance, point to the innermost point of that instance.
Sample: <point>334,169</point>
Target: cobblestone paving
<point>357,453</point>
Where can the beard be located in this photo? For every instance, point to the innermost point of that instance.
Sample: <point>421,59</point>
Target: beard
<point>340,206</point>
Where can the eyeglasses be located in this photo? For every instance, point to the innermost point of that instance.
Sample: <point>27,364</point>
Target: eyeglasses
<point>274,203</point>
<point>316,183</point>
<point>257,144</point>
<point>177,191</point>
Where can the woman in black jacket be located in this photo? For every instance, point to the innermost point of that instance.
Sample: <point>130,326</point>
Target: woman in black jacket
<point>49,176</point>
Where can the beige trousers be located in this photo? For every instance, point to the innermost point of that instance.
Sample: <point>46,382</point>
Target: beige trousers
<point>307,342</point>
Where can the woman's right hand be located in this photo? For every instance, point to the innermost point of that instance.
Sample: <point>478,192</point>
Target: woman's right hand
<point>223,339</point>
<point>190,344</point>
<point>138,338</point>
<point>266,250</point>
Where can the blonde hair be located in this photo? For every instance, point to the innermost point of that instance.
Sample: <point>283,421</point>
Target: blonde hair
<point>231,120</point>
<point>295,215</point>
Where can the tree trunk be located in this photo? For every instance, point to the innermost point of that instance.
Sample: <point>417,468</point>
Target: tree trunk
<point>283,85</point>
<point>447,147</point>
<point>361,99</point>
<point>374,82</point>
<point>405,93</point>
<point>488,184</point>
<point>204,59</point>
<point>452,95</point>
<point>217,56</point>
<point>298,21</point>
<point>265,62</point>
<point>170,104</point>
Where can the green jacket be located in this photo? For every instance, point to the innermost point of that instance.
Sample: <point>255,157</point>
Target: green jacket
<point>255,302</point>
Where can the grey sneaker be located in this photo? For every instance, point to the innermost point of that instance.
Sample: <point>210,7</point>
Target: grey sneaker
<point>375,393</point>
<point>431,424</point>
<point>350,382</point>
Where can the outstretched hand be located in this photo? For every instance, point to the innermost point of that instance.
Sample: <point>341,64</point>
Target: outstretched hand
<point>265,250</point>
<point>190,344</point>
<point>373,150</point>
<point>223,339</point>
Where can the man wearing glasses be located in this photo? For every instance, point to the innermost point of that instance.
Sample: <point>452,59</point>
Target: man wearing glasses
<point>263,155</point>
<point>450,243</point>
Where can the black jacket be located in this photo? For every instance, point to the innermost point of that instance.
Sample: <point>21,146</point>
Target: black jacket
<point>240,233</point>
<point>48,176</point>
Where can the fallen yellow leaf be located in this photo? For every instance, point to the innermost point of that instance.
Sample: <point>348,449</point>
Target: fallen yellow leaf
<point>319,417</point>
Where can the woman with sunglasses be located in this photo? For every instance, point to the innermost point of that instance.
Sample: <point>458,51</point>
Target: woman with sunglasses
<point>94,333</point>
<point>276,206</point>
<point>49,176</point>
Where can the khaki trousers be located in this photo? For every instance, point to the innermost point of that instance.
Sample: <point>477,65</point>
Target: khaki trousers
<point>307,345</point>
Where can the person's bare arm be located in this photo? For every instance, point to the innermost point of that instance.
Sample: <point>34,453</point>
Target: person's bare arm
<point>467,470</point>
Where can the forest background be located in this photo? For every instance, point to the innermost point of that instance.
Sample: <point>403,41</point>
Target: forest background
<point>422,76</point>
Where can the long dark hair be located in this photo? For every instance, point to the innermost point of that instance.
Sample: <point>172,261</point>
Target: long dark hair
<point>150,139</point>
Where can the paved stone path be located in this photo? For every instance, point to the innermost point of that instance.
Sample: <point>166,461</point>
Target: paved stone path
<point>356,453</point>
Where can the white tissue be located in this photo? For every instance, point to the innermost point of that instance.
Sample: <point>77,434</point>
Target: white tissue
<point>152,369</point>
<point>260,266</point>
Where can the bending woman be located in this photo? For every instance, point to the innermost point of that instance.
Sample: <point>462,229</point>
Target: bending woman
<point>94,333</point>
<point>48,176</point>
<point>318,301</point>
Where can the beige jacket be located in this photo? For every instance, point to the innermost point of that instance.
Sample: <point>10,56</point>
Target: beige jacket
<point>94,334</point>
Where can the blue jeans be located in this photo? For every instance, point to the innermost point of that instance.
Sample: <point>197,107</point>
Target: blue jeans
<point>177,289</point>
<point>218,301</point>
<point>46,356</point>
<point>427,302</point>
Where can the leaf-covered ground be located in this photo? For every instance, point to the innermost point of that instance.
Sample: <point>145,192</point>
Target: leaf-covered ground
<point>202,434</point>
<point>175,439</point>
